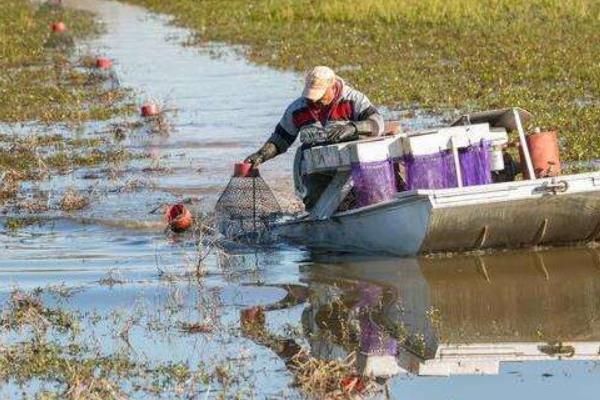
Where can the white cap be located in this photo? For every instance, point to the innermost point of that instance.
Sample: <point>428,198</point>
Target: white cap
<point>318,80</point>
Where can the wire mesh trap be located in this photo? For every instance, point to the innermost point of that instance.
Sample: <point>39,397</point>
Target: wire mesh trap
<point>247,207</point>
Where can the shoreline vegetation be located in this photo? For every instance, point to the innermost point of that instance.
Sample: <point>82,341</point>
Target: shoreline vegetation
<point>46,86</point>
<point>459,55</point>
<point>43,80</point>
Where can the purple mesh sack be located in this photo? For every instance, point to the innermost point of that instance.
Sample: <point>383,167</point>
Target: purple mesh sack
<point>437,171</point>
<point>374,182</point>
<point>430,171</point>
<point>475,164</point>
<point>374,340</point>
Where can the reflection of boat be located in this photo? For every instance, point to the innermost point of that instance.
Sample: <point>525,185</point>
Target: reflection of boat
<point>421,219</point>
<point>462,315</point>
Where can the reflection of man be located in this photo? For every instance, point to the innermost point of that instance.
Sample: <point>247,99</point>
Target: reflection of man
<point>337,323</point>
<point>328,111</point>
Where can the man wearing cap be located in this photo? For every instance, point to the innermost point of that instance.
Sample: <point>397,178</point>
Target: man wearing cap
<point>329,111</point>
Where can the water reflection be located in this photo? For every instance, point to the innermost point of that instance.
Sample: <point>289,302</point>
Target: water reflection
<point>460,315</point>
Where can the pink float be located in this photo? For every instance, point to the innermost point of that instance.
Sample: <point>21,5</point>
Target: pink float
<point>149,110</point>
<point>104,63</point>
<point>58,27</point>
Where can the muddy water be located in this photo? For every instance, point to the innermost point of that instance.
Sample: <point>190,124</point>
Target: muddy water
<point>510,324</point>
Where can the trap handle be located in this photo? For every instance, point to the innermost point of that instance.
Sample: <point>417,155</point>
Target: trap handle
<point>245,170</point>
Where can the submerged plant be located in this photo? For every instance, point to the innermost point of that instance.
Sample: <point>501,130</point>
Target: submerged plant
<point>73,201</point>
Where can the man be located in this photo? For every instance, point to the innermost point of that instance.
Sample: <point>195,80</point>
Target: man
<point>329,111</point>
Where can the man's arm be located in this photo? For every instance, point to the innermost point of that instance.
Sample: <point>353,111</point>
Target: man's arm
<point>281,138</point>
<point>369,121</point>
<point>265,153</point>
<point>280,141</point>
<point>366,120</point>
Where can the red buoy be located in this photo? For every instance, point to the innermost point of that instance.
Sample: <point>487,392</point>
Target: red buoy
<point>58,27</point>
<point>104,63</point>
<point>244,170</point>
<point>544,150</point>
<point>149,110</point>
<point>178,218</point>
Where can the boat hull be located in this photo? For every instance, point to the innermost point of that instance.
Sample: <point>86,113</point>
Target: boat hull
<point>506,215</point>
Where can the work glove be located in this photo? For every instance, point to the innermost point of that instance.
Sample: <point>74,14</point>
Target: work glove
<point>342,133</point>
<point>265,153</point>
<point>367,127</point>
<point>312,135</point>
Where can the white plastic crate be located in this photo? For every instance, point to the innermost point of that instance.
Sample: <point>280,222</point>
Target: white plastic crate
<point>440,139</point>
<point>342,155</point>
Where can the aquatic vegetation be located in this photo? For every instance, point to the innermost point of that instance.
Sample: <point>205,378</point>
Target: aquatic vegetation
<point>57,359</point>
<point>437,55</point>
<point>36,157</point>
<point>14,224</point>
<point>44,81</point>
<point>316,377</point>
<point>9,184</point>
<point>329,379</point>
<point>196,327</point>
<point>111,279</point>
<point>73,201</point>
<point>27,309</point>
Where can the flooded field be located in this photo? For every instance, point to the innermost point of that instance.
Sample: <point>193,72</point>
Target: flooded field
<point>104,303</point>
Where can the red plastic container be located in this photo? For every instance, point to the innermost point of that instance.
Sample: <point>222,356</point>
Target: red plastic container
<point>58,27</point>
<point>544,152</point>
<point>244,170</point>
<point>149,110</point>
<point>104,63</point>
<point>178,218</point>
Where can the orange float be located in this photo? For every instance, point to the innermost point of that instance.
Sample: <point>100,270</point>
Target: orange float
<point>149,110</point>
<point>104,63</point>
<point>178,218</point>
<point>58,27</point>
<point>544,152</point>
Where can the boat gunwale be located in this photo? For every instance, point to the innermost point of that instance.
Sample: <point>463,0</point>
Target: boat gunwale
<point>431,195</point>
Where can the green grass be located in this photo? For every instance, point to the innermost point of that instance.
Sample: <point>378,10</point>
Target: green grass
<point>464,55</point>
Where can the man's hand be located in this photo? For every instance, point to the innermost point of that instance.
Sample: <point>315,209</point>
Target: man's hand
<point>265,153</point>
<point>342,133</point>
<point>255,159</point>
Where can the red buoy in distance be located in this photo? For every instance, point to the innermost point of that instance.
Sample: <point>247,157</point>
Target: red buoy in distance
<point>149,110</point>
<point>104,63</point>
<point>59,27</point>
